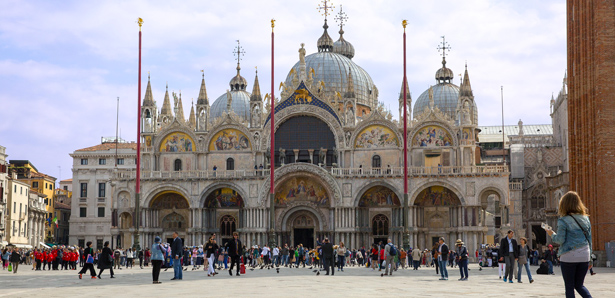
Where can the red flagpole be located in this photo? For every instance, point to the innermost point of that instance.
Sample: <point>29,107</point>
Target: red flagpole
<point>138,178</point>
<point>272,147</point>
<point>406,233</point>
<point>272,236</point>
<point>405,121</point>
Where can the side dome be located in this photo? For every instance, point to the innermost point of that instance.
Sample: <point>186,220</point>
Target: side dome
<point>343,47</point>
<point>240,105</point>
<point>332,69</point>
<point>445,97</point>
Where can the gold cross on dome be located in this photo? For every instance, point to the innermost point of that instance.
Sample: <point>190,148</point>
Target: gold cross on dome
<point>238,52</point>
<point>444,47</point>
<point>326,8</point>
<point>341,18</point>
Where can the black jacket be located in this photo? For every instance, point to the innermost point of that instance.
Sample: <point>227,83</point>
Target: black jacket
<point>210,248</point>
<point>444,252</point>
<point>504,250</point>
<point>177,248</point>
<point>327,250</point>
<point>15,257</point>
<point>234,248</point>
<point>105,261</point>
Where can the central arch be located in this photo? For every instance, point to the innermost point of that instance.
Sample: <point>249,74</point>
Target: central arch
<point>302,224</point>
<point>304,134</point>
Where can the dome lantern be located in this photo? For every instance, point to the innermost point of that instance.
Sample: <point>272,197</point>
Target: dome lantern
<point>341,46</point>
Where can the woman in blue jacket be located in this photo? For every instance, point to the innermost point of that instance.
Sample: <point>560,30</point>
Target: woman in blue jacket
<point>575,240</point>
<point>157,259</point>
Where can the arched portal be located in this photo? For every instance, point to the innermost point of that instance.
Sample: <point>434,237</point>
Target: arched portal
<point>302,227</point>
<point>222,212</point>
<point>303,138</point>
<point>380,213</point>
<point>438,209</point>
<point>126,224</point>
<point>173,214</point>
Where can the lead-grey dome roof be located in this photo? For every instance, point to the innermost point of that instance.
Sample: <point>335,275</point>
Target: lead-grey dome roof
<point>240,105</point>
<point>445,97</point>
<point>332,69</point>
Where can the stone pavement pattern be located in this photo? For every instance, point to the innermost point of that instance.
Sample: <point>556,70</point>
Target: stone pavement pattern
<point>354,282</point>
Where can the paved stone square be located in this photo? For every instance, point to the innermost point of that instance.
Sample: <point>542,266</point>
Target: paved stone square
<point>354,282</point>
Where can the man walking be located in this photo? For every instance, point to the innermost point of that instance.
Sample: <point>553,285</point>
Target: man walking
<point>116,256</point>
<point>285,255</point>
<point>176,252</point>
<point>327,255</point>
<point>509,253</point>
<point>390,252</point>
<point>15,259</point>
<point>233,248</point>
<point>416,258</point>
<point>443,258</point>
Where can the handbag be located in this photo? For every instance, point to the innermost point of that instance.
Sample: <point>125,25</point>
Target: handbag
<point>89,260</point>
<point>584,232</point>
<point>10,267</point>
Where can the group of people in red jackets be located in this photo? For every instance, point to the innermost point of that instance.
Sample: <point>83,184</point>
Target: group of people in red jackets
<point>56,258</point>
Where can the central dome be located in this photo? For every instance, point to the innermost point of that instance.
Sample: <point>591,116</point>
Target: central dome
<point>332,68</point>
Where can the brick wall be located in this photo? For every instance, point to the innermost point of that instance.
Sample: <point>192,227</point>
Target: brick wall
<point>591,111</point>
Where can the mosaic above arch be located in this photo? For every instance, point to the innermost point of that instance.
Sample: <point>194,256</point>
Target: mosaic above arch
<point>302,96</point>
<point>301,189</point>
<point>379,196</point>
<point>177,142</point>
<point>432,136</point>
<point>437,196</point>
<point>376,136</point>
<point>224,198</point>
<point>229,139</point>
<point>169,200</point>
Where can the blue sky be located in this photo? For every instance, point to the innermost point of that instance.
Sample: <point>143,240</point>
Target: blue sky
<point>64,63</point>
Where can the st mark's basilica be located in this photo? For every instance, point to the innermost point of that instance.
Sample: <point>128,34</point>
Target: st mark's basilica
<point>338,163</point>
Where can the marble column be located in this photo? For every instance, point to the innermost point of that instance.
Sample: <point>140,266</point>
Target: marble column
<point>296,151</point>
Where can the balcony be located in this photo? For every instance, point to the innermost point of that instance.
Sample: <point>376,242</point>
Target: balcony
<point>467,171</point>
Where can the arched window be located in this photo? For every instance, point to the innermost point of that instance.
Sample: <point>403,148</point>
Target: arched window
<point>227,225</point>
<point>376,161</point>
<point>230,164</point>
<point>380,225</point>
<point>178,164</point>
<point>173,221</point>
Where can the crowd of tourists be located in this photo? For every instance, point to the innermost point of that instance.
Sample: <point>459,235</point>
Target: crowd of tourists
<point>512,257</point>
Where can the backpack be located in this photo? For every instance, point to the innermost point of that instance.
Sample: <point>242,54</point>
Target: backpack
<point>392,250</point>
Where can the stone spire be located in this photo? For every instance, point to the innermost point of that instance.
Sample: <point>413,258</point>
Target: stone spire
<point>192,119</point>
<point>256,90</point>
<point>202,100</point>
<point>349,85</point>
<point>466,89</point>
<point>401,94</point>
<point>149,99</point>
<point>166,104</point>
<point>180,110</point>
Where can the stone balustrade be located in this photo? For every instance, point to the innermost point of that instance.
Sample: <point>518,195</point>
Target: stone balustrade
<point>454,171</point>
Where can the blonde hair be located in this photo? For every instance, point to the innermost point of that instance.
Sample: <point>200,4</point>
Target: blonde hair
<point>571,203</point>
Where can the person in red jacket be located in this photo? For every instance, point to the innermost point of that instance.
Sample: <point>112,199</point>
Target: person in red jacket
<point>38,255</point>
<point>50,258</point>
<point>65,258</point>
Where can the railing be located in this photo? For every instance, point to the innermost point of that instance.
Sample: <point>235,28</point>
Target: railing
<point>336,172</point>
<point>420,171</point>
<point>515,185</point>
<point>218,174</point>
